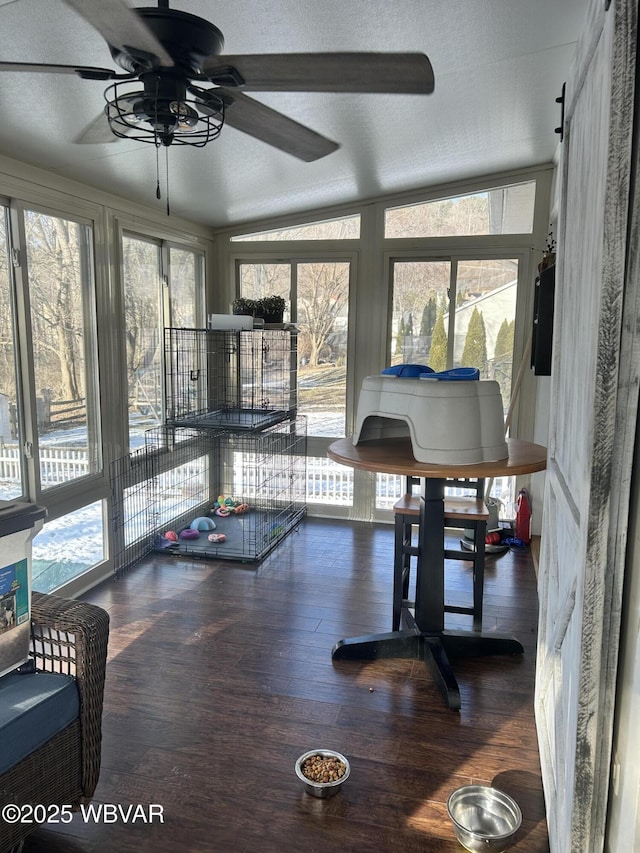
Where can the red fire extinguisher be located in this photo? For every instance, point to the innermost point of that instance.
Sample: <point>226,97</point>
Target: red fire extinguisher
<point>523,517</point>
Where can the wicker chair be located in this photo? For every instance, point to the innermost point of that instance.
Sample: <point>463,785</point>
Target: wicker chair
<point>68,637</point>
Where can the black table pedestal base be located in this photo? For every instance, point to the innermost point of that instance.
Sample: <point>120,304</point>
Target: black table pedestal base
<point>434,649</point>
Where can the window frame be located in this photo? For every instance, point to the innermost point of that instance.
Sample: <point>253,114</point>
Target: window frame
<point>18,372</point>
<point>56,495</point>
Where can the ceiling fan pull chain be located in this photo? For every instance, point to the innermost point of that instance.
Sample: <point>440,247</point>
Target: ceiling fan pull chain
<point>166,160</point>
<point>158,193</point>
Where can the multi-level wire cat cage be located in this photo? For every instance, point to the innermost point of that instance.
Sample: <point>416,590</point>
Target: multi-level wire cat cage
<point>229,379</point>
<point>228,467</point>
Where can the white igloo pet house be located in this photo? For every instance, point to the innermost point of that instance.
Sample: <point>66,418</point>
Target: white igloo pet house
<point>449,422</point>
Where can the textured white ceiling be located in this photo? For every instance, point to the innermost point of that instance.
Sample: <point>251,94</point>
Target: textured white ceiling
<point>498,65</point>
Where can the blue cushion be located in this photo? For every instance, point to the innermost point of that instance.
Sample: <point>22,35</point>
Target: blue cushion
<point>463,374</point>
<point>34,706</point>
<point>407,371</point>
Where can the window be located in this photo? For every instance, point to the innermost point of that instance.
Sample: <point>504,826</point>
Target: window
<point>484,321</point>
<point>503,210</point>
<point>318,298</point>
<point>328,482</point>
<point>323,305</point>
<point>420,302</point>
<point>185,287</point>
<point>142,294</point>
<point>163,286</point>
<point>454,313</point>
<point>68,547</point>
<point>345,228</point>
<point>259,280</point>
<point>434,281</point>
<point>63,347</point>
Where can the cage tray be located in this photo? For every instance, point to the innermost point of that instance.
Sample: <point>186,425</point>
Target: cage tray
<point>233,418</point>
<point>249,537</point>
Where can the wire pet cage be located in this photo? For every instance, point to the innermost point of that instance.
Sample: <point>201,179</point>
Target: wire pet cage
<point>133,531</point>
<point>251,484</point>
<point>230,379</point>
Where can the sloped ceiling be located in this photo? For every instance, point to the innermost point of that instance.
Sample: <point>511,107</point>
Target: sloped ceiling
<point>499,66</point>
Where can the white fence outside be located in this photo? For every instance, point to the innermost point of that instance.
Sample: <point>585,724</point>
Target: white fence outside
<point>327,482</point>
<point>57,464</point>
<point>10,464</point>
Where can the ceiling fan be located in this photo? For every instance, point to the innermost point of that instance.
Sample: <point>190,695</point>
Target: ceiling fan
<point>176,87</point>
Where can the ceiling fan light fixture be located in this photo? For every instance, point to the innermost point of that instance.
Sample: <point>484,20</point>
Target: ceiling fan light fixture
<point>186,116</point>
<point>134,113</point>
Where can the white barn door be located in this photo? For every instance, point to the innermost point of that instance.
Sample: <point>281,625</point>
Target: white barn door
<point>593,418</point>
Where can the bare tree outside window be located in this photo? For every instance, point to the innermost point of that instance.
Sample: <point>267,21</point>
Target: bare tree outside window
<point>149,265</point>
<point>60,268</point>
<point>143,341</point>
<point>501,210</point>
<point>323,310</point>
<point>321,301</point>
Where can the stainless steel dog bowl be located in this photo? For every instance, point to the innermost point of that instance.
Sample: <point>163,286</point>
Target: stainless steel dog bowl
<point>484,818</point>
<point>322,789</point>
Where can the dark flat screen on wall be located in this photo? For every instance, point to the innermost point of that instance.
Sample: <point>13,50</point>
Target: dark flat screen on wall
<point>542,339</point>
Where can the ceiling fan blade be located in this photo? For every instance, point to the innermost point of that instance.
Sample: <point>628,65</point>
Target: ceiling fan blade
<point>274,128</point>
<point>118,23</point>
<point>85,71</point>
<point>97,132</point>
<point>396,73</point>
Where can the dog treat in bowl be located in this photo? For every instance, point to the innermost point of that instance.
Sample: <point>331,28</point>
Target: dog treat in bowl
<point>320,768</point>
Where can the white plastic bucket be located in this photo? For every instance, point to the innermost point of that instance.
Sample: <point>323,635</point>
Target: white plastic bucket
<point>19,523</point>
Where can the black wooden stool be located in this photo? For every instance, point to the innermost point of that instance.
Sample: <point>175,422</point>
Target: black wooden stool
<point>468,512</point>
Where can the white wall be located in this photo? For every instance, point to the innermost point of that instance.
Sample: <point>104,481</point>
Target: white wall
<point>540,436</point>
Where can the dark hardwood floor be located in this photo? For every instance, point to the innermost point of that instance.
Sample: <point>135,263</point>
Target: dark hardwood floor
<point>220,675</point>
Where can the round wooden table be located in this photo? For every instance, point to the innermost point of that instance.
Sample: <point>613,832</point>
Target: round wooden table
<point>427,638</point>
<point>395,456</point>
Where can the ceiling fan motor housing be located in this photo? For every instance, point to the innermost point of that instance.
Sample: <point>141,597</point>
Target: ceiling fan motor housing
<point>163,87</point>
<point>188,39</point>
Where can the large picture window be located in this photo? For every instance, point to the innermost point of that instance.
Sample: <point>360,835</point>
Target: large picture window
<point>50,423</point>
<point>64,350</point>
<point>142,286</point>
<point>458,312</point>
<point>341,228</point>
<point>501,210</point>
<point>163,286</point>
<point>317,297</point>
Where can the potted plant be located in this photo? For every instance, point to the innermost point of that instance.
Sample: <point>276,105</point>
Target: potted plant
<point>245,306</point>
<point>271,309</point>
<point>549,254</point>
